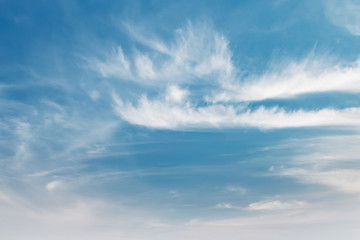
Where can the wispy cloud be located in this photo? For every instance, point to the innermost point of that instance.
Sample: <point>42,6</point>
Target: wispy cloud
<point>188,81</point>
<point>227,206</point>
<point>276,205</point>
<point>344,14</point>
<point>342,180</point>
<point>116,64</point>
<point>312,75</point>
<point>196,52</point>
<point>52,185</point>
<point>324,161</point>
<point>236,189</point>
<point>204,89</point>
<point>269,205</point>
<point>327,150</point>
<point>163,114</point>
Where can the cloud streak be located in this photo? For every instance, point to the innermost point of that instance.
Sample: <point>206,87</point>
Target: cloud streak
<point>324,161</point>
<point>342,180</point>
<point>276,205</point>
<point>163,114</point>
<point>306,77</point>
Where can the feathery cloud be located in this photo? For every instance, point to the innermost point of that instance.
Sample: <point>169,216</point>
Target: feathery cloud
<point>345,14</point>
<point>163,114</point>
<point>276,205</point>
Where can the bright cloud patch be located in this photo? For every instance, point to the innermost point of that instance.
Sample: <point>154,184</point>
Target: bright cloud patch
<point>198,85</point>
<point>276,205</point>
<point>52,185</point>
<point>163,114</point>
<point>293,79</point>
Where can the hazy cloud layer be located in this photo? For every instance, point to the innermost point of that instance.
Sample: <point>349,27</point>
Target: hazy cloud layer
<point>344,14</point>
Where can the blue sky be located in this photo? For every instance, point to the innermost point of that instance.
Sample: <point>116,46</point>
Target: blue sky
<point>179,120</point>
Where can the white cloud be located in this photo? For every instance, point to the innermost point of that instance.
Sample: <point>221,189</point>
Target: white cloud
<point>19,136</point>
<point>308,76</point>
<point>64,132</point>
<point>324,161</point>
<point>52,185</point>
<point>163,114</point>
<point>94,95</point>
<point>343,180</point>
<point>276,205</point>
<point>236,189</point>
<point>49,172</point>
<point>199,54</point>
<point>196,51</point>
<point>344,13</point>
<point>327,150</point>
<point>175,94</point>
<point>116,65</point>
<point>226,206</point>
<point>144,66</point>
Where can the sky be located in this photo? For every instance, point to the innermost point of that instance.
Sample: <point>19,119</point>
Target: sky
<point>156,120</point>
